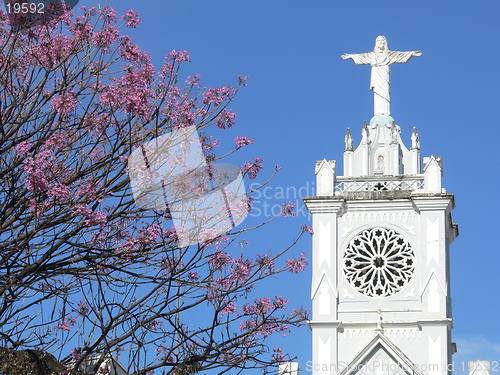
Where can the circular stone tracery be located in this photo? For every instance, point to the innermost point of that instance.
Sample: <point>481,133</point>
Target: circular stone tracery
<point>379,262</point>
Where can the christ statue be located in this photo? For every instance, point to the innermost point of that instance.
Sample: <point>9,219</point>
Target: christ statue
<point>380,59</point>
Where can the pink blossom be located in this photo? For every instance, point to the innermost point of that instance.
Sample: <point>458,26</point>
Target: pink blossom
<point>131,92</point>
<point>108,14</point>
<point>209,144</point>
<point>252,169</point>
<point>149,234</point>
<point>249,203</point>
<point>83,308</point>
<point>39,169</point>
<point>182,111</point>
<point>280,302</point>
<point>248,324</point>
<point>56,141</point>
<point>37,184</point>
<point>23,147</point>
<point>226,119</point>
<point>263,305</point>
<point>81,29</point>
<point>297,265</point>
<point>134,244</point>
<point>278,355</point>
<point>224,239</point>
<point>169,264</point>
<point>307,228</point>
<point>97,218</point>
<point>59,190</point>
<point>76,353</point>
<point>288,209</point>
<point>155,325</point>
<point>89,189</point>
<point>178,56</point>
<point>106,37</point>
<point>129,51</point>
<point>219,259</point>
<point>240,270</point>
<point>50,51</point>
<point>164,353</point>
<point>38,207</point>
<point>242,141</point>
<point>301,315</point>
<point>64,103</point>
<point>266,263</point>
<point>131,18</point>
<point>229,309</point>
<point>92,217</point>
<point>249,309</point>
<point>193,80</point>
<point>218,95</point>
<point>243,80</point>
<point>170,233</point>
<point>66,324</point>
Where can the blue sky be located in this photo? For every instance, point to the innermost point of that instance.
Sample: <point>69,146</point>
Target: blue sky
<point>302,96</point>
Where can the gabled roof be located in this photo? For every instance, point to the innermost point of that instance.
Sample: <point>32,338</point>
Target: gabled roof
<point>110,364</point>
<point>379,344</point>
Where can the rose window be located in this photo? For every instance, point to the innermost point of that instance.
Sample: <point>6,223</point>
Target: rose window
<point>379,262</point>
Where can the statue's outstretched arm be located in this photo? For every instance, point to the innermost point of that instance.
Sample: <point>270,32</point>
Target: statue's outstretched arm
<point>358,58</point>
<point>403,57</point>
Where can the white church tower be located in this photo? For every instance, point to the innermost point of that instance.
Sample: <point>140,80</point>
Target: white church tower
<point>381,249</point>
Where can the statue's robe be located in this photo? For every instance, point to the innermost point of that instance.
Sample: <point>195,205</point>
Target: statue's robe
<point>379,82</point>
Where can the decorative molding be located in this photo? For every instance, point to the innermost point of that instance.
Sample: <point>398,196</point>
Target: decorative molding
<point>410,229</point>
<point>410,294</point>
<point>346,231</point>
<point>329,164</point>
<point>355,334</point>
<point>431,276</point>
<point>316,205</point>
<point>404,333</point>
<point>346,294</point>
<point>315,286</point>
<point>376,216</point>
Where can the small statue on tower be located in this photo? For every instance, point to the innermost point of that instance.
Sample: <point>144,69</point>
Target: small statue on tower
<point>380,59</point>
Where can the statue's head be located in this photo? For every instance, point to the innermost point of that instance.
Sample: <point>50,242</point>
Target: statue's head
<point>381,43</point>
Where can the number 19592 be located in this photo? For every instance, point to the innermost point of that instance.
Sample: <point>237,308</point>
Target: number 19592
<point>25,8</point>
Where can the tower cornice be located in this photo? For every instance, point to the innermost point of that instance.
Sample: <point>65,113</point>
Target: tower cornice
<point>433,202</point>
<point>387,324</point>
<point>324,205</point>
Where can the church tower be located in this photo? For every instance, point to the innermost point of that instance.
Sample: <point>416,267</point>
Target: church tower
<point>380,293</point>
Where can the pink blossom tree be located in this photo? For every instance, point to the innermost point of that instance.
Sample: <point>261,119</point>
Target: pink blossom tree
<point>84,272</point>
